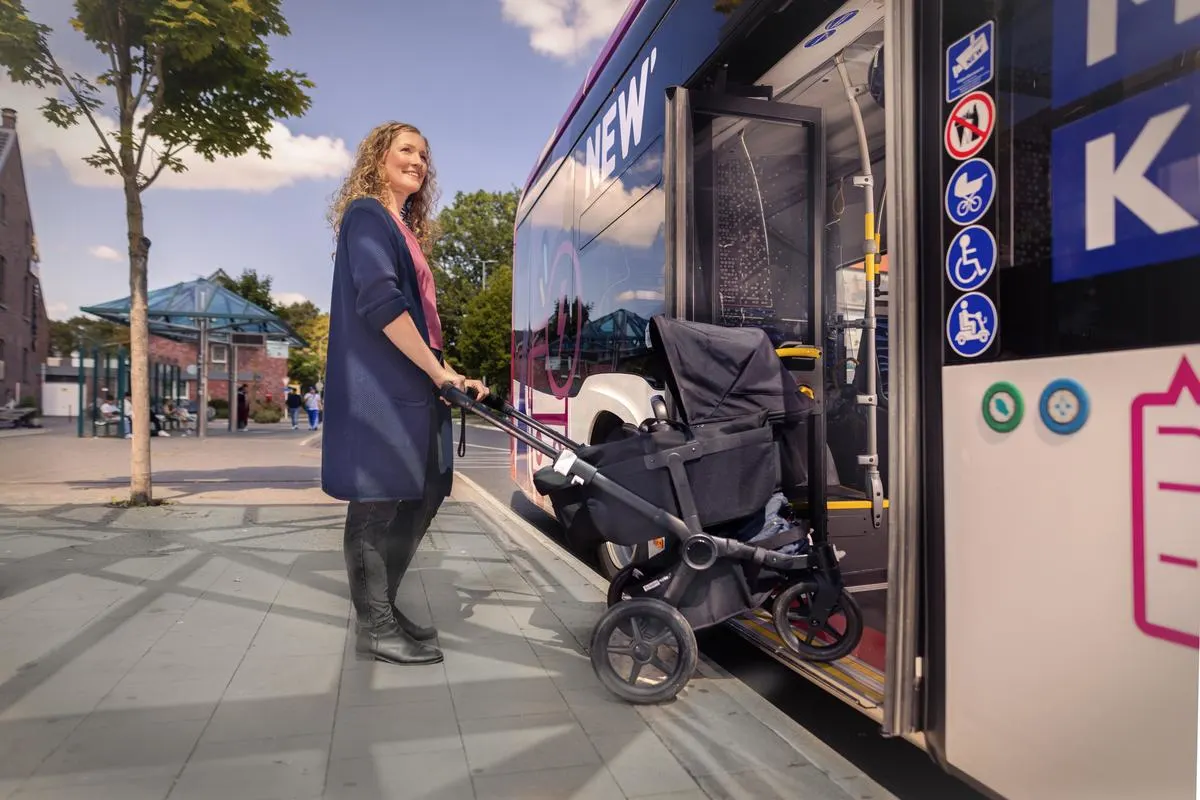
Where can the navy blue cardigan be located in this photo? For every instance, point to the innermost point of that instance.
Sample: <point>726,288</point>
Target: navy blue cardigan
<point>385,433</point>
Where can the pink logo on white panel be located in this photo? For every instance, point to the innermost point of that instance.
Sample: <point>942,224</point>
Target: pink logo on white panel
<point>1165,438</point>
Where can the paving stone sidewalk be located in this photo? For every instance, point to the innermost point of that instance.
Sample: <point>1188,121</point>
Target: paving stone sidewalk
<point>206,651</point>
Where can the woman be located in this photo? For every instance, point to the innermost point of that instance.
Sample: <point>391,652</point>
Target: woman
<point>387,445</point>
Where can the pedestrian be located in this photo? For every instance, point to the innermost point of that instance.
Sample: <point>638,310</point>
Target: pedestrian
<point>294,403</point>
<point>312,405</point>
<point>243,408</point>
<point>387,441</point>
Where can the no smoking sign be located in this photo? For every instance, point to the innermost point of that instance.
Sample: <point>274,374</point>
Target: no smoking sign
<point>970,125</point>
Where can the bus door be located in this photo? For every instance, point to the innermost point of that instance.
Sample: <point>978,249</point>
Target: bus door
<point>745,196</point>
<point>746,246</point>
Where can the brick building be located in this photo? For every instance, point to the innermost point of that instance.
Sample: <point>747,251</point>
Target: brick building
<point>24,329</point>
<point>263,370</point>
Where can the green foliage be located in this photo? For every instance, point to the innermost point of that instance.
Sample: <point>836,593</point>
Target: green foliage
<point>307,366</point>
<point>66,337</point>
<point>298,314</point>
<point>201,69</point>
<point>250,286</point>
<point>265,413</point>
<point>220,407</point>
<point>184,76</point>
<point>485,342</point>
<point>476,228</point>
<point>475,245</point>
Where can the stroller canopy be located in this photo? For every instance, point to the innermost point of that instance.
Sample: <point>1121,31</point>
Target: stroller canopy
<point>716,373</point>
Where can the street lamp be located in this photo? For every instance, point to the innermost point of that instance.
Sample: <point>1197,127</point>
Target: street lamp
<point>483,269</point>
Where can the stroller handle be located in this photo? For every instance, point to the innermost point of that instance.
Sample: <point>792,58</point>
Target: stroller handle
<point>470,398</point>
<point>469,401</point>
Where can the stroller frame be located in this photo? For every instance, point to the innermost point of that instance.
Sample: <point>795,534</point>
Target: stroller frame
<point>814,578</point>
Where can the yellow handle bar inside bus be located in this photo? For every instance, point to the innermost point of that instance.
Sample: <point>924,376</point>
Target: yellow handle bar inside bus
<point>807,352</point>
<point>798,351</point>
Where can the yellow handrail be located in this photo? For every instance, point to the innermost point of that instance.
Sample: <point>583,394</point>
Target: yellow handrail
<point>801,351</point>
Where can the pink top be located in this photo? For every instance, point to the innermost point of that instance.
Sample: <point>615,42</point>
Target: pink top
<point>425,284</point>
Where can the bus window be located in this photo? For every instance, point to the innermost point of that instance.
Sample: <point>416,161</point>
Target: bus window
<point>1074,294</point>
<point>753,226</point>
<point>622,271</point>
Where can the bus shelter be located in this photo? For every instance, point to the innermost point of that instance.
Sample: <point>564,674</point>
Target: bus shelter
<point>205,312</point>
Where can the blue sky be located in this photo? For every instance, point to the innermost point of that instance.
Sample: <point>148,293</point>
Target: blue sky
<point>486,80</point>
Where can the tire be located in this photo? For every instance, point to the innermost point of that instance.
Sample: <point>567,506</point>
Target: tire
<point>654,625</point>
<point>613,558</point>
<point>809,650</point>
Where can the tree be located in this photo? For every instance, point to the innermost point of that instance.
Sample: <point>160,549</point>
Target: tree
<point>298,314</point>
<point>248,285</point>
<point>183,77</point>
<point>307,366</point>
<point>476,241</point>
<point>485,344</point>
<point>66,337</point>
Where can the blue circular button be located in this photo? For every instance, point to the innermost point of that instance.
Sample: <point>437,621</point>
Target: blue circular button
<point>1063,406</point>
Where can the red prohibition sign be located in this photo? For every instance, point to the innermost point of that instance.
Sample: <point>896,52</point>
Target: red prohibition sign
<point>970,125</point>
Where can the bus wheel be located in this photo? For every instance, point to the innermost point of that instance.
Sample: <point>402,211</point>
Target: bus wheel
<point>613,558</point>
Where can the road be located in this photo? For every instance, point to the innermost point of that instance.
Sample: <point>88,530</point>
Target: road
<point>900,767</point>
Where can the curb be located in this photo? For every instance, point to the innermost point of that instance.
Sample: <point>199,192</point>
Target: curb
<point>18,433</point>
<point>837,768</point>
<point>528,532</point>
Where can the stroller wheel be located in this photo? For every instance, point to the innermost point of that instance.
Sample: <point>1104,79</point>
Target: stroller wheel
<point>644,651</point>
<point>839,636</point>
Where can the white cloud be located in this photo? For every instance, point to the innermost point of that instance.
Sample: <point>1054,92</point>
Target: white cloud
<point>294,157</point>
<point>105,253</point>
<point>59,311</point>
<point>288,298</point>
<point>564,28</point>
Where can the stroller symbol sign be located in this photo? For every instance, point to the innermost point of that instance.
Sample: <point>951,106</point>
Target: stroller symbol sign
<point>970,192</point>
<point>971,325</point>
<point>971,258</point>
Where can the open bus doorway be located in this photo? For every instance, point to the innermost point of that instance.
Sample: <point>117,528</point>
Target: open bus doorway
<point>767,208</point>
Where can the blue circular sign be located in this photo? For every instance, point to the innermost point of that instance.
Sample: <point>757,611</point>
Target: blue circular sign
<point>1064,406</point>
<point>971,258</point>
<point>970,192</point>
<point>972,324</point>
<point>831,28</point>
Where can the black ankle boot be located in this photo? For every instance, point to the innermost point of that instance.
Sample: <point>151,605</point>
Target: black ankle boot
<point>422,633</point>
<point>394,646</point>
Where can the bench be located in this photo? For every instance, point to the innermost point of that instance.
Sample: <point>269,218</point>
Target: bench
<point>19,417</point>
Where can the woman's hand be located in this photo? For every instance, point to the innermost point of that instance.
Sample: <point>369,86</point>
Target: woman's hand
<point>448,375</point>
<point>480,390</point>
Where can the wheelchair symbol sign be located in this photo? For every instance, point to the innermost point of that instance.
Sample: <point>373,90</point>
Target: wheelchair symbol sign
<point>971,325</point>
<point>971,258</point>
<point>970,192</point>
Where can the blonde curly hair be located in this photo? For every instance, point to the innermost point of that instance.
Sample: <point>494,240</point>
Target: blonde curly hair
<point>367,179</point>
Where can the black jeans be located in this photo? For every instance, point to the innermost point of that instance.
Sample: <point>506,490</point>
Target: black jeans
<point>380,541</point>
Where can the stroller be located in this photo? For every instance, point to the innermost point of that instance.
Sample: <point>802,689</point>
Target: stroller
<point>701,474</point>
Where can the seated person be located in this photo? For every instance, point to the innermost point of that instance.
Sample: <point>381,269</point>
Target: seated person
<point>108,410</point>
<point>155,424</point>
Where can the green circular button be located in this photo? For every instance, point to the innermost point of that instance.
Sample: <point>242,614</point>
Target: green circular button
<point>1003,407</point>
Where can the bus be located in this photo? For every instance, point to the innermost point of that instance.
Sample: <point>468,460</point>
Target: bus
<point>978,224</point>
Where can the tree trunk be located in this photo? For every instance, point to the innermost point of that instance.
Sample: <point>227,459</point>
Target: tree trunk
<point>140,491</point>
